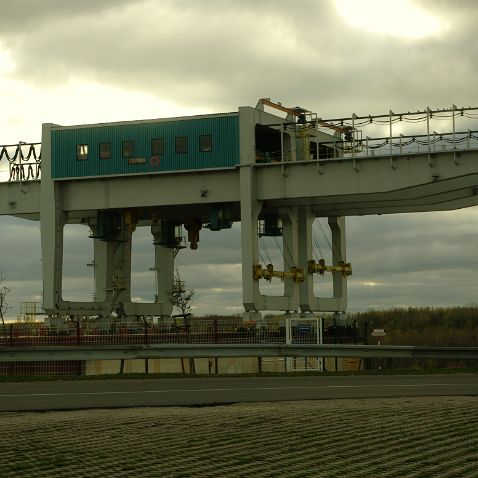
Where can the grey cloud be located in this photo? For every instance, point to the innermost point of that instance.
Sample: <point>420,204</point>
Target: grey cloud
<point>24,16</point>
<point>20,246</point>
<point>414,259</point>
<point>20,261</point>
<point>218,55</point>
<point>425,241</point>
<point>457,8</point>
<point>188,52</point>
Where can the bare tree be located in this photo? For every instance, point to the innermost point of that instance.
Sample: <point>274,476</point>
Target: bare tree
<point>181,298</point>
<point>4,290</point>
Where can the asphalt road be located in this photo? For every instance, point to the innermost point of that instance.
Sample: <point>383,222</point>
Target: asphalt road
<point>74,395</point>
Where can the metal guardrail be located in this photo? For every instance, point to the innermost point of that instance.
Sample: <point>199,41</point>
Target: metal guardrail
<point>235,350</point>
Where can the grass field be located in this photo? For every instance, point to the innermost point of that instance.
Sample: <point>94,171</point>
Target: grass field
<point>415,437</point>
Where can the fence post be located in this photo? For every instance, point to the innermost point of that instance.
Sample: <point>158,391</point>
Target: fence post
<point>336,339</point>
<point>11,335</point>
<point>216,337</point>
<point>366,361</point>
<point>146,341</point>
<point>146,333</point>
<point>78,332</point>
<point>216,340</point>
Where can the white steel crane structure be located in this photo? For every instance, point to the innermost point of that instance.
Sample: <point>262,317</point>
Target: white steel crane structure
<point>274,169</point>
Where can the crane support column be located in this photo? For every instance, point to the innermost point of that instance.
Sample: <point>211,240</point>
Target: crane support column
<point>164,270</point>
<point>306,220</point>
<point>51,228</point>
<point>290,250</point>
<point>102,251</point>
<point>308,301</point>
<point>121,274</point>
<point>337,227</point>
<point>250,209</point>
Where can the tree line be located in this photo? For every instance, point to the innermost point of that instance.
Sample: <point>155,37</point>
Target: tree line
<point>424,326</point>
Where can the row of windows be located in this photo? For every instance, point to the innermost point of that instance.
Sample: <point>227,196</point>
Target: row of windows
<point>157,147</point>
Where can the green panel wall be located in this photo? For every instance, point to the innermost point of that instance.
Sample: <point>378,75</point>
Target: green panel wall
<point>224,130</point>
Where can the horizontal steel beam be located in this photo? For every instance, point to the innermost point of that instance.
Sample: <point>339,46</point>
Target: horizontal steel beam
<point>242,350</point>
<point>370,185</point>
<point>20,199</point>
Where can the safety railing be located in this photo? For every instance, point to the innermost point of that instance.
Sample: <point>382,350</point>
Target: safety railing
<point>399,145</point>
<point>24,161</point>
<point>430,131</point>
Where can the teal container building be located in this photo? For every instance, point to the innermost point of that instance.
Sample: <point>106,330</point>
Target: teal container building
<point>145,147</point>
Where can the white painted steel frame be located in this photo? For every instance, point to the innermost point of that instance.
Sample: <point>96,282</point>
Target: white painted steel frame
<point>298,191</point>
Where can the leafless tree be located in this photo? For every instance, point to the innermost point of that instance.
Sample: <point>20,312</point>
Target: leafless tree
<point>4,290</point>
<point>181,298</point>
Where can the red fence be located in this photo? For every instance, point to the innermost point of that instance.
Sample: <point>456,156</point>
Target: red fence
<point>114,332</point>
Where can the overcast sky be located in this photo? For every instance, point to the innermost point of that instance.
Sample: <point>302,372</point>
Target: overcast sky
<point>88,61</point>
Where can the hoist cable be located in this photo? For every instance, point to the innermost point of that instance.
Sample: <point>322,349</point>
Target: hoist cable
<point>324,233</point>
<point>261,257</point>
<point>264,247</point>
<point>286,246</point>
<point>281,250</point>
<point>317,243</point>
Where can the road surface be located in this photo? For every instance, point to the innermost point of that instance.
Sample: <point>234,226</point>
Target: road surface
<point>83,394</point>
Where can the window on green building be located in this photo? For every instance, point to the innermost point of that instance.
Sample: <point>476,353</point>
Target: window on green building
<point>157,147</point>
<point>205,143</point>
<point>105,150</point>
<point>181,144</point>
<point>81,152</point>
<point>128,149</point>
